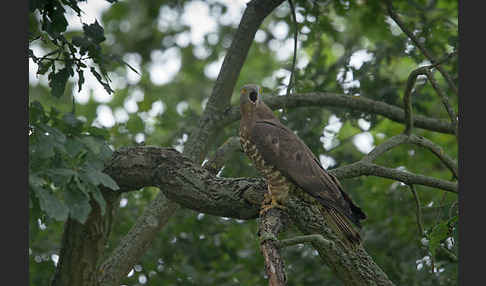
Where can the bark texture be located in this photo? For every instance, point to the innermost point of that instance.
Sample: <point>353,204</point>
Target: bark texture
<point>196,188</point>
<point>83,245</point>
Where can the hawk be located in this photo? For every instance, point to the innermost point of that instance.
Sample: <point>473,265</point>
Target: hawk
<point>288,164</point>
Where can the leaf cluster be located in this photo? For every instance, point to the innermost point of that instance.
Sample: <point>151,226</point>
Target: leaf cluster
<point>66,164</point>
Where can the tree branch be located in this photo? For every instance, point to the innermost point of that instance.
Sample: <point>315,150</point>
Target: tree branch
<point>359,103</point>
<point>443,98</point>
<point>311,238</point>
<point>196,146</point>
<point>361,168</point>
<point>417,140</point>
<point>407,101</point>
<point>255,12</point>
<point>418,210</point>
<point>136,242</point>
<point>419,45</point>
<point>216,162</point>
<point>193,187</point>
<point>269,227</point>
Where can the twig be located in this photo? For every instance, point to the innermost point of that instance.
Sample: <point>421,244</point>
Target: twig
<point>292,71</point>
<point>384,147</point>
<point>417,140</point>
<point>443,98</point>
<point>424,51</point>
<point>215,163</point>
<point>367,169</point>
<point>220,99</point>
<point>438,151</point>
<point>136,242</point>
<point>311,238</point>
<point>407,101</point>
<point>419,210</point>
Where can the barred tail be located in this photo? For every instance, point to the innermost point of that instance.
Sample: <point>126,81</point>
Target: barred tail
<point>341,225</point>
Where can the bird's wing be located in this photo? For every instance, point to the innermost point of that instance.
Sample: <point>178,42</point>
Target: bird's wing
<point>280,147</point>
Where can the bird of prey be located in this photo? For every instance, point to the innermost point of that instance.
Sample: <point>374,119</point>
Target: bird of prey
<point>288,164</point>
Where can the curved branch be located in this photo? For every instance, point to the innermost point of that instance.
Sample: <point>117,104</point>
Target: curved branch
<point>188,184</point>
<point>417,140</point>
<point>407,100</point>
<point>361,168</point>
<point>443,98</point>
<point>256,11</point>
<point>360,103</point>
<point>136,242</point>
<point>191,186</point>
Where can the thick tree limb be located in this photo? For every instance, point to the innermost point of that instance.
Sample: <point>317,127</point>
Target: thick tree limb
<point>359,103</point>
<point>136,242</point>
<point>84,244</point>
<point>256,11</point>
<point>269,226</point>
<point>352,266</point>
<point>196,146</point>
<point>193,187</point>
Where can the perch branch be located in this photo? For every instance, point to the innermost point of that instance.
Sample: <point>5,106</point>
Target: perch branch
<point>269,227</point>
<point>256,11</point>
<point>191,186</point>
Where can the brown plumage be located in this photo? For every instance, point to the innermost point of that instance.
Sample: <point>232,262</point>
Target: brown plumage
<point>287,163</point>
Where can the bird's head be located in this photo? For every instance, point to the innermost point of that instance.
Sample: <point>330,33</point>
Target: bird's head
<point>250,98</point>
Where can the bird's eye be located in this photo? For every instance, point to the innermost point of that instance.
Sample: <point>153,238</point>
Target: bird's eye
<point>253,96</point>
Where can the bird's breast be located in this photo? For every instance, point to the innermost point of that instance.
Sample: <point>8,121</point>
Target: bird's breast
<point>278,184</point>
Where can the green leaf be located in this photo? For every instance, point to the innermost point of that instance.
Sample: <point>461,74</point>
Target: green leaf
<point>44,66</point>
<point>36,181</point>
<point>50,204</point>
<point>58,82</point>
<point>107,181</point>
<point>74,146</point>
<point>78,203</point>
<point>100,80</point>
<point>135,124</point>
<point>437,235</point>
<point>94,144</point>
<point>97,177</point>
<point>99,198</point>
<point>99,132</point>
<point>36,112</point>
<point>95,32</point>
<point>72,124</point>
<point>81,79</point>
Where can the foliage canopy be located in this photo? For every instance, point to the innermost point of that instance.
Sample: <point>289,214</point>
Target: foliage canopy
<point>157,70</point>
